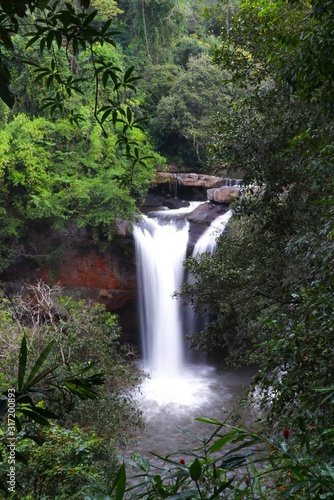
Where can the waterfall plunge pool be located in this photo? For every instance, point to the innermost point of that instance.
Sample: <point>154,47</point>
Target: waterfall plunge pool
<point>170,407</point>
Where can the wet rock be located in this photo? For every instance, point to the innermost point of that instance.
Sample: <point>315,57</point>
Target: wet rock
<point>200,218</point>
<point>188,179</point>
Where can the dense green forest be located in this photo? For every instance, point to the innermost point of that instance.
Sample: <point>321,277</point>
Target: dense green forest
<point>97,95</point>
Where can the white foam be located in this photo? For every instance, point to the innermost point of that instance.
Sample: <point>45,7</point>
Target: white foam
<point>192,388</point>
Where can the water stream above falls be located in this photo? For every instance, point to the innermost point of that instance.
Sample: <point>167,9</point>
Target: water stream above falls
<point>178,389</point>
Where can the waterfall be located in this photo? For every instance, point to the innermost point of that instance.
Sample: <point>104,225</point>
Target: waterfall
<point>161,249</point>
<point>208,241</point>
<point>161,245</point>
<point>206,244</point>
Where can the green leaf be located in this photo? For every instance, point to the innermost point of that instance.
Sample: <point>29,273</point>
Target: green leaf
<point>128,73</point>
<point>106,114</point>
<point>5,93</point>
<point>3,407</point>
<point>209,421</point>
<point>36,438</point>
<point>105,78</point>
<point>44,412</point>
<point>195,470</point>
<point>49,39</point>
<point>106,26</point>
<point>22,363</point>
<point>6,38</point>
<point>44,354</point>
<point>32,40</point>
<point>129,114</point>
<point>221,442</point>
<point>18,424</point>
<point>41,45</point>
<point>90,18</point>
<point>34,415</point>
<point>120,483</point>
<point>233,461</point>
<point>59,39</point>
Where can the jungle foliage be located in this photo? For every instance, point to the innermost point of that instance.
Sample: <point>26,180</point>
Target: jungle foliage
<point>270,281</point>
<point>76,143</point>
<point>72,382</point>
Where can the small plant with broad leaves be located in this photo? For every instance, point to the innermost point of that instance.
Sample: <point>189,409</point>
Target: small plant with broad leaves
<point>34,389</point>
<point>231,463</point>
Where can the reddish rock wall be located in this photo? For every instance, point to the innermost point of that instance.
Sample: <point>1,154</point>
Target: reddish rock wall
<point>105,275</point>
<point>84,269</point>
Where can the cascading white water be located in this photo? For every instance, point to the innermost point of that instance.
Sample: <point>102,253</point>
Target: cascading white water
<point>161,246</point>
<point>208,241</point>
<point>161,249</point>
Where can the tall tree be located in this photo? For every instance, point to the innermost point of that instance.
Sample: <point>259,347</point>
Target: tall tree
<point>154,25</point>
<point>183,119</point>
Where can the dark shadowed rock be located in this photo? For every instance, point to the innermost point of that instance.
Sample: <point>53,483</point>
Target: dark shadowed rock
<point>200,218</point>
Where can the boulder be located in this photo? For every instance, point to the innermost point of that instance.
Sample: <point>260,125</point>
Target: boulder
<point>205,213</point>
<point>223,194</point>
<point>199,180</point>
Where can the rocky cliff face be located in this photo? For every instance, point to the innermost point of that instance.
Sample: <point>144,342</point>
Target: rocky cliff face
<point>102,272</point>
<point>199,187</point>
<point>84,269</point>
